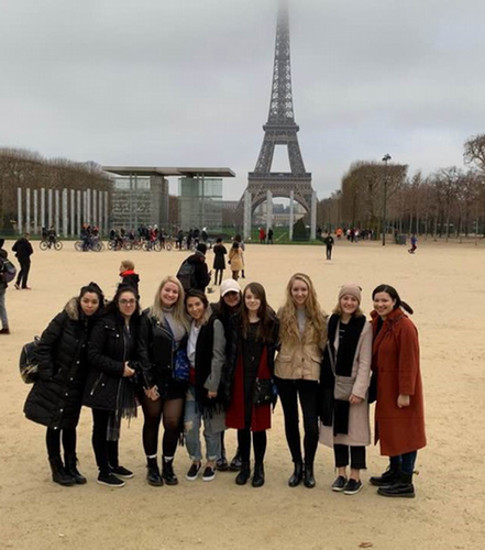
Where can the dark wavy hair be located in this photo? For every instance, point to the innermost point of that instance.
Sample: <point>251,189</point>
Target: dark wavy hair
<point>113,305</point>
<point>265,313</point>
<point>394,296</point>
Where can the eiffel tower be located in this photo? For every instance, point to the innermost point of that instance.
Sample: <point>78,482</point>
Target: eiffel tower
<point>280,129</point>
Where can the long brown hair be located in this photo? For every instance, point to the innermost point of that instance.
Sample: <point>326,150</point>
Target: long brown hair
<point>315,316</point>
<point>265,313</point>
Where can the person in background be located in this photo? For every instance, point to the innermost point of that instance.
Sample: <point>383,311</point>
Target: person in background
<point>345,417</point>
<point>23,250</point>
<point>414,244</point>
<point>399,413</point>
<point>302,337</point>
<point>251,359</point>
<point>204,402</point>
<point>270,236</point>
<point>55,399</point>
<point>242,248</point>
<point>3,291</point>
<point>329,242</point>
<point>128,275</point>
<point>236,260</point>
<point>219,261</point>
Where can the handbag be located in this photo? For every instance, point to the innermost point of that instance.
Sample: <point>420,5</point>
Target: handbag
<point>29,369</point>
<point>264,392</point>
<point>181,366</point>
<point>343,384</point>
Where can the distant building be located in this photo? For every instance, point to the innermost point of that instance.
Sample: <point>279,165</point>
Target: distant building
<point>200,203</point>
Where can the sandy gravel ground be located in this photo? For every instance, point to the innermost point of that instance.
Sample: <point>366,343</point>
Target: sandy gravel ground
<point>445,283</point>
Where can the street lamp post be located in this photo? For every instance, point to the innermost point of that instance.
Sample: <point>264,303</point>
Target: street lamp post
<point>386,158</point>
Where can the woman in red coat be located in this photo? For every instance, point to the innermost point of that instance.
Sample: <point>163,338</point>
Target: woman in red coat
<point>399,414</point>
<point>251,358</point>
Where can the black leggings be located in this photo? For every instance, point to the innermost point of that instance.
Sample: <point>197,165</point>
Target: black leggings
<point>106,452</point>
<point>24,272</point>
<point>357,456</point>
<point>259,445</point>
<point>53,441</point>
<point>218,275</point>
<point>307,391</point>
<point>172,413</point>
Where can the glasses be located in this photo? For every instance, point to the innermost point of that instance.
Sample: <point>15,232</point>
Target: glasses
<point>124,302</point>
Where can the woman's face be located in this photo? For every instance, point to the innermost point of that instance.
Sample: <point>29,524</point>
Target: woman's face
<point>349,304</point>
<point>299,292</point>
<point>169,294</point>
<point>383,304</point>
<point>89,303</point>
<point>251,302</point>
<point>195,308</point>
<point>127,304</point>
<point>232,299</point>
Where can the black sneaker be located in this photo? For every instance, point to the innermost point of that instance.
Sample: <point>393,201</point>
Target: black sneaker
<point>353,487</point>
<point>110,480</point>
<point>122,472</point>
<point>193,472</point>
<point>339,484</point>
<point>236,462</point>
<point>209,473</point>
<point>222,464</point>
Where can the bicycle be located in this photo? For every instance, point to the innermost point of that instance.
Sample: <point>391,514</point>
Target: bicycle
<point>47,244</point>
<point>94,244</point>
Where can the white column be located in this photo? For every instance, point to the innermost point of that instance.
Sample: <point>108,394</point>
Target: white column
<point>36,210</point>
<point>42,207</point>
<point>49,208</point>
<point>292,214</point>
<point>79,212</point>
<point>65,218</point>
<point>269,210</point>
<point>27,210</point>
<point>19,210</point>
<point>95,207</point>
<point>57,211</point>
<point>106,228</point>
<point>247,215</point>
<point>313,217</point>
<point>73,213</point>
<point>100,211</point>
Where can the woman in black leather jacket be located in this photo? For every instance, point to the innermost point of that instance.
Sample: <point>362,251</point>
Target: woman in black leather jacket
<point>163,330</point>
<point>110,388</point>
<point>55,399</point>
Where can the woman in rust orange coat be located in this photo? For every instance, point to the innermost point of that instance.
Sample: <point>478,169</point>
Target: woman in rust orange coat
<point>399,414</point>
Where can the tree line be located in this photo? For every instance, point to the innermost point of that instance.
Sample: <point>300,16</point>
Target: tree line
<point>26,169</point>
<point>448,202</point>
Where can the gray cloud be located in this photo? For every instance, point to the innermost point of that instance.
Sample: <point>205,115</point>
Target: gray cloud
<point>187,82</point>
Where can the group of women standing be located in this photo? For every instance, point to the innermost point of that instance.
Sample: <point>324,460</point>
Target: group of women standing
<point>190,363</point>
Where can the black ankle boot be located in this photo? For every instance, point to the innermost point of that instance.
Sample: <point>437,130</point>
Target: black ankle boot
<point>168,474</point>
<point>308,478</point>
<point>258,476</point>
<point>389,477</point>
<point>403,487</point>
<point>153,473</point>
<point>59,474</point>
<point>244,474</point>
<point>297,475</point>
<point>71,469</point>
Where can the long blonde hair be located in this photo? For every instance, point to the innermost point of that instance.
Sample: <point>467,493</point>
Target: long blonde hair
<point>316,326</point>
<point>179,315</point>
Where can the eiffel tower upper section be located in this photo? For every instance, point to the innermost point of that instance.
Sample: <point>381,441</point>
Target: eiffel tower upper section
<point>281,128</point>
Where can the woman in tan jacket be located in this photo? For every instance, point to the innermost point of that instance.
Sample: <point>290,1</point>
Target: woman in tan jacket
<point>302,338</point>
<point>236,260</point>
<point>344,384</point>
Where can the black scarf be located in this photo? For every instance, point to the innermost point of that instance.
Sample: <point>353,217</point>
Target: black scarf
<point>334,411</point>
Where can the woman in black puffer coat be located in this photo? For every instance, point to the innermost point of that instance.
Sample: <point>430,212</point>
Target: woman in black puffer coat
<point>112,380</point>
<point>55,399</point>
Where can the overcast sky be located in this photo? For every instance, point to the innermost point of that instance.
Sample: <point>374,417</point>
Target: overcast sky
<point>187,82</point>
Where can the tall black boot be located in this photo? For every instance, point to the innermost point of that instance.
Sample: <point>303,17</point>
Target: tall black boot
<point>153,473</point>
<point>389,477</point>
<point>297,475</point>
<point>244,474</point>
<point>59,475</point>
<point>71,468</point>
<point>258,476</point>
<point>308,478</point>
<point>403,488</point>
<point>168,474</point>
